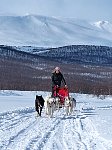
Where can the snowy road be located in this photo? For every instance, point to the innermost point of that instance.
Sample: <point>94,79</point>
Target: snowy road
<point>21,130</point>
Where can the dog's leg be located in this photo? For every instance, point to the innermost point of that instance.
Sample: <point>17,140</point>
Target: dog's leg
<point>70,110</point>
<point>66,109</point>
<point>52,110</point>
<point>58,106</point>
<point>46,108</point>
<point>70,107</point>
<point>36,114</point>
<point>49,110</point>
<point>40,110</point>
<point>37,111</point>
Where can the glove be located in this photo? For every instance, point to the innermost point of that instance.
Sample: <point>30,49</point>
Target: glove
<point>66,86</point>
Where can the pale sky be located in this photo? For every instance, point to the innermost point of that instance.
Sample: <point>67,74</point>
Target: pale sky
<point>81,9</point>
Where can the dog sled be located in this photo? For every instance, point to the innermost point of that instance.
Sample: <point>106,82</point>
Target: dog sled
<point>65,99</point>
<point>60,99</point>
<point>62,93</point>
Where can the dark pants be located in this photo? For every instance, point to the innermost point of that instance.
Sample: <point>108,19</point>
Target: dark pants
<point>54,90</point>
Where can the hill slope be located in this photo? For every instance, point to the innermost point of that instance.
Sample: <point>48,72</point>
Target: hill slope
<point>86,68</point>
<point>53,32</point>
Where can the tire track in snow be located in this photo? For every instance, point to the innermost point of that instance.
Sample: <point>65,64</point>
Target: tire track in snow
<point>95,141</point>
<point>7,135</point>
<point>14,122</point>
<point>88,134</point>
<point>83,132</point>
<point>78,131</point>
<point>15,139</point>
<point>19,140</point>
<point>75,132</point>
<point>57,130</point>
<point>10,117</point>
<point>45,138</point>
<point>39,142</point>
<point>72,139</point>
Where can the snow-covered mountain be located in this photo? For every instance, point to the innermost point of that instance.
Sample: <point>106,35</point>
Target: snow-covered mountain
<point>53,32</point>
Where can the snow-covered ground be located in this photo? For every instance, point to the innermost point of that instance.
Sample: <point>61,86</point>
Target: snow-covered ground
<point>43,31</point>
<point>88,128</point>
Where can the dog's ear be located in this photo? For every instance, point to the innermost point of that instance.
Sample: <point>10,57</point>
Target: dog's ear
<point>36,96</point>
<point>41,96</point>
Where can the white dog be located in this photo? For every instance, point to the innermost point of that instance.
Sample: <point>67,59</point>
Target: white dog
<point>57,103</point>
<point>69,104</point>
<point>49,106</point>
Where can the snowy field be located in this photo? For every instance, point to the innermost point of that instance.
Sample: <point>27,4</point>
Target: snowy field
<point>88,128</point>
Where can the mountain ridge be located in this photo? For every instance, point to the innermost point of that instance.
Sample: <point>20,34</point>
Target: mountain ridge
<point>43,31</point>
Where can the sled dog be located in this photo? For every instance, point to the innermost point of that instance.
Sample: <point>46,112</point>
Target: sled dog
<point>70,104</point>
<point>49,105</point>
<point>39,103</point>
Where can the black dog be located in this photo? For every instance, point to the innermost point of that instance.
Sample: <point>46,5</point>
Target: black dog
<point>39,103</point>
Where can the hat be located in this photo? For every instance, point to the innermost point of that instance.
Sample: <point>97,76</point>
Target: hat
<point>57,68</point>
